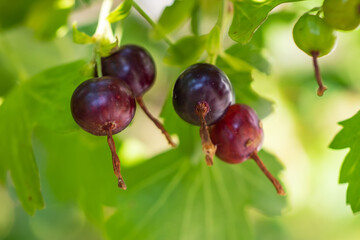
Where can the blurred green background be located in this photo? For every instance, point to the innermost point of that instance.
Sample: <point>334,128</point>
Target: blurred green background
<point>75,174</point>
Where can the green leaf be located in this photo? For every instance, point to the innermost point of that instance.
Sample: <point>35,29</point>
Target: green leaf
<point>235,63</point>
<point>250,54</point>
<point>174,16</point>
<point>241,81</point>
<point>188,134</point>
<point>187,199</point>
<point>79,167</point>
<point>248,16</point>
<point>120,12</point>
<point>348,137</point>
<point>16,151</point>
<point>81,37</point>
<point>186,51</point>
<point>52,90</point>
<point>43,100</point>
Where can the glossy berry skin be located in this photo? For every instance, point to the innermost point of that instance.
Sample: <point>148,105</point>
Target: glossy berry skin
<point>132,64</point>
<point>238,134</point>
<point>202,82</point>
<point>312,35</point>
<point>100,103</point>
<point>342,14</point>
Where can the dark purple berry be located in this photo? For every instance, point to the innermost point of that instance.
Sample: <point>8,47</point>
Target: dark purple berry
<point>135,66</point>
<point>206,83</point>
<point>100,102</point>
<point>104,106</point>
<point>132,64</point>
<point>238,136</point>
<point>201,95</point>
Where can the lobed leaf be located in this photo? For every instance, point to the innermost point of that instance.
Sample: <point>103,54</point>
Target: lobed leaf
<point>239,73</point>
<point>348,137</point>
<point>16,151</point>
<point>251,55</point>
<point>187,199</point>
<point>52,90</point>
<point>43,100</point>
<point>78,169</point>
<point>248,16</point>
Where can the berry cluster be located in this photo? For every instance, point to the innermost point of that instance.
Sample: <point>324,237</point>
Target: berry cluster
<point>203,96</point>
<point>316,35</point>
<point>104,106</point>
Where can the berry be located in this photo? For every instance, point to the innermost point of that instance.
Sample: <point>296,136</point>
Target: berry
<point>312,35</point>
<point>135,66</point>
<point>239,136</point>
<point>104,106</point>
<point>201,95</point>
<point>342,15</point>
<point>132,64</point>
<point>100,102</point>
<point>206,83</point>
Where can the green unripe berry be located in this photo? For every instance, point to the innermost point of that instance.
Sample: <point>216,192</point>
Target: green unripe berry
<point>312,35</point>
<point>342,14</point>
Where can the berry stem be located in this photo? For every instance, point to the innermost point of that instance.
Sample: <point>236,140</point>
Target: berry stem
<point>155,121</point>
<point>152,23</point>
<point>115,159</point>
<point>98,64</point>
<point>202,109</point>
<point>275,182</point>
<point>322,88</point>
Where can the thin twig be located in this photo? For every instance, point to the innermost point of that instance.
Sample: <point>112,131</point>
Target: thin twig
<point>155,121</point>
<point>115,159</point>
<point>322,88</point>
<point>152,23</point>
<point>275,182</point>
